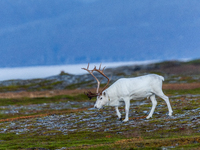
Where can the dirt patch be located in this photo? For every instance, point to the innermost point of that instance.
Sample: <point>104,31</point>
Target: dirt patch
<point>181,86</point>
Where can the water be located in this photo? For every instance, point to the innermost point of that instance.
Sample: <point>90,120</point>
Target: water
<point>46,71</point>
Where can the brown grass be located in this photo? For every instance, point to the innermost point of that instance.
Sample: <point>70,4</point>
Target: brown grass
<point>174,86</point>
<point>181,86</point>
<point>140,142</point>
<point>41,93</point>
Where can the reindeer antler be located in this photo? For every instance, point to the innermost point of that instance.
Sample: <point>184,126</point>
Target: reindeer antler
<point>90,94</point>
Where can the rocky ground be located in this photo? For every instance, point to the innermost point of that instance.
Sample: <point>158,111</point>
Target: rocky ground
<point>104,120</point>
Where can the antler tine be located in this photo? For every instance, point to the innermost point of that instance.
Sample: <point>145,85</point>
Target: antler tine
<point>94,68</point>
<point>103,68</point>
<point>88,66</point>
<point>100,67</point>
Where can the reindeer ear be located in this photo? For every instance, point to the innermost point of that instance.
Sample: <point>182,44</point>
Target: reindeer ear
<point>104,93</point>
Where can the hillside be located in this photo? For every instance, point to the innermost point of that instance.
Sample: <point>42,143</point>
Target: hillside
<point>173,72</point>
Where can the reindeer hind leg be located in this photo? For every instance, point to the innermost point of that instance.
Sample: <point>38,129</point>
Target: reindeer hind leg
<point>154,103</point>
<point>166,99</point>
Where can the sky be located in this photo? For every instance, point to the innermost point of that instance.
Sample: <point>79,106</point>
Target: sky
<point>49,33</point>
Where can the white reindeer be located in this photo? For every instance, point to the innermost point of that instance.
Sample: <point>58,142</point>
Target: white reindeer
<point>126,89</point>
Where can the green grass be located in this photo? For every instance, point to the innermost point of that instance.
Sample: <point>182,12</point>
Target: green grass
<point>91,140</point>
<point>13,141</point>
<point>59,141</point>
<point>182,92</point>
<point>41,100</point>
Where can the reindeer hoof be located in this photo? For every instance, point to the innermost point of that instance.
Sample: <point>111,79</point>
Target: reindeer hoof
<point>125,121</point>
<point>148,117</point>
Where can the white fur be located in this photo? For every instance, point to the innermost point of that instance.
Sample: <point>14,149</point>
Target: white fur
<point>138,88</point>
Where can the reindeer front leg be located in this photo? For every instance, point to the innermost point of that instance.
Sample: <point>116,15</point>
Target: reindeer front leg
<point>118,113</point>
<point>127,106</point>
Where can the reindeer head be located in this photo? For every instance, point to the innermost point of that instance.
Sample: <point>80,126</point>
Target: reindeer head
<point>102,98</point>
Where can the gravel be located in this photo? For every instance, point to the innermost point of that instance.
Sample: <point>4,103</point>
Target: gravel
<point>96,120</point>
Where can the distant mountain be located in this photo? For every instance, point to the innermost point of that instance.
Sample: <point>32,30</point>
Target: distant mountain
<point>53,32</point>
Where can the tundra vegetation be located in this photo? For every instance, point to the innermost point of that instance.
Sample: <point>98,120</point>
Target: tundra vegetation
<point>53,113</point>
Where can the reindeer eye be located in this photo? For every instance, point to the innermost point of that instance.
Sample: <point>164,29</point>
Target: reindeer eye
<point>101,98</point>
